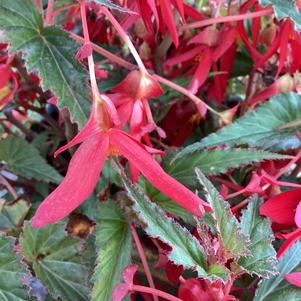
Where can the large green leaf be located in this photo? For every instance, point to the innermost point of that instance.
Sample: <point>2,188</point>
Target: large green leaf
<point>285,9</point>
<point>263,256</point>
<point>12,215</point>
<point>113,238</point>
<point>277,288</point>
<point>264,127</point>
<point>212,162</point>
<point>54,258</point>
<point>186,250</point>
<point>233,240</point>
<point>12,272</point>
<point>48,51</point>
<point>24,159</point>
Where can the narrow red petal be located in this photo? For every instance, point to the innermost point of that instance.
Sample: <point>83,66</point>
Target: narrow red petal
<point>82,176</point>
<point>289,242</point>
<point>154,173</point>
<point>298,215</point>
<point>294,278</point>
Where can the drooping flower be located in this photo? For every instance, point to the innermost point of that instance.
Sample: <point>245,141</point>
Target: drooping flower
<point>101,138</point>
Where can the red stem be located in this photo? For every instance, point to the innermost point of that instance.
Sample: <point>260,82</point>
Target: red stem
<point>143,259</point>
<point>48,18</point>
<point>144,289</point>
<point>264,12</point>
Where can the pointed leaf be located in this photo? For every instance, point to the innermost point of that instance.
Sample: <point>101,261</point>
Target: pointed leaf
<point>49,52</point>
<point>113,238</point>
<point>227,225</point>
<point>186,250</point>
<point>264,127</point>
<point>263,256</point>
<point>24,159</point>
<point>54,258</point>
<point>212,162</point>
<point>12,273</point>
<point>285,9</point>
<point>12,215</point>
<point>277,288</point>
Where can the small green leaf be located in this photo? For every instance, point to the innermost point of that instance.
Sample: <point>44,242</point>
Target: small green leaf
<point>212,162</point>
<point>277,288</point>
<point>259,128</point>
<point>186,250</point>
<point>263,256</point>
<point>12,272</point>
<point>112,5</point>
<point>12,214</point>
<point>24,159</point>
<point>54,258</point>
<point>113,238</point>
<point>227,225</point>
<point>50,52</point>
<point>285,9</point>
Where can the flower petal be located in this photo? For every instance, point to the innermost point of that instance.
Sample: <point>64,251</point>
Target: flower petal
<point>154,173</point>
<point>82,176</point>
<point>298,215</point>
<point>294,278</point>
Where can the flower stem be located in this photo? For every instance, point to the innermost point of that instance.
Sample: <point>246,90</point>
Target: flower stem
<point>149,290</point>
<point>125,38</point>
<point>9,187</point>
<point>202,23</point>
<point>143,259</point>
<point>48,18</point>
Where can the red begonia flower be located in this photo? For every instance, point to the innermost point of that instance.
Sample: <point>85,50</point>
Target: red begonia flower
<point>100,140</point>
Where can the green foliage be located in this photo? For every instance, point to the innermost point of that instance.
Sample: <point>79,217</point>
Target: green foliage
<point>111,4</point>
<point>113,239</point>
<point>49,52</point>
<point>285,9</point>
<point>12,272</point>
<point>227,225</point>
<point>277,288</point>
<point>12,214</point>
<point>263,128</point>
<point>263,256</point>
<point>186,250</point>
<point>212,162</point>
<point>54,258</point>
<point>24,159</point>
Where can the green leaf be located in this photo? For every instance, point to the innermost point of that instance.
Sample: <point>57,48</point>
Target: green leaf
<point>112,5</point>
<point>113,238</point>
<point>12,272</point>
<point>24,159</point>
<point>48,51</point>
<point>12,214</point>
<point>263,256</point>
<point>54,258</point>
<point>277,288</point>
<point>227,225</point>
<point>213,162</point>
<point>259,128</point>
<point>285,9</point>
<point>186,250</point>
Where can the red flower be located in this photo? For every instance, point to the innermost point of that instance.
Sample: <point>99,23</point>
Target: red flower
<point>101,139</point>
<point>294,278</point>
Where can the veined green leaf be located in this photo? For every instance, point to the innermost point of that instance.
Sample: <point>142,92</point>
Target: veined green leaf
<point>277,288</point>
<point>49,52</point>
<point>54,257</point>
<point>262,128</point>
<point>212,162</point>
<point>12,215</point>
<point>285,9</point>
<point>227,225</point>
<point>113,238</point>
<point>186,250</point>
<point>12,272</point>
<point>24,159</point>
<point>263,256</point>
